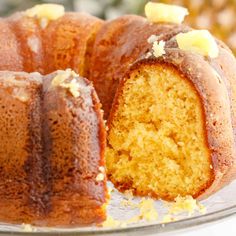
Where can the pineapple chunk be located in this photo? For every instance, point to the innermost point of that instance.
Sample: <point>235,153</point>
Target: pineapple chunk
<point>60,80</point>
<point>61,77</point>
<point>46,11</point>
<point>159,12</point>
<point>73,87</point>
<point>198,41</point>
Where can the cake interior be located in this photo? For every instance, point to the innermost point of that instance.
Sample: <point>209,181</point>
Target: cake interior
<point>157,143</point>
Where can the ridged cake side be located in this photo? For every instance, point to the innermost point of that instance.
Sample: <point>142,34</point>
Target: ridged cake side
<point>217,126</point>
<point>74,143</point>
<point>68,42</point>
<point>30,45</point>
<point>10,59</point>
<point>52,141</point>
<point>22,173</point>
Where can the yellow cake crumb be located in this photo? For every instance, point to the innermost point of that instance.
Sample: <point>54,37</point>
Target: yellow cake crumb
<point>168,218</point>
<point>198,41</point>
<point>147,210</point>
<point>134,219</point>
<point>100,177</point>
<point>28,228</point>
<point>158,48</point>
<point>184,204</point>
<point>128,203</point>
<point>160,12</point>
<point>110,222</point>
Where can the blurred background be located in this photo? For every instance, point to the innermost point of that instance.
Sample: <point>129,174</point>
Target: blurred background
<point>218,16</point>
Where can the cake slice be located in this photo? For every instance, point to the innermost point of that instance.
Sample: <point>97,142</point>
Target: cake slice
<point>171,128</point>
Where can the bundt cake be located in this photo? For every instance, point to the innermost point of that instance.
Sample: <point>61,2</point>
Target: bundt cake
<point>170,128</point>
<point>172,124</point>
<point>52,150</point>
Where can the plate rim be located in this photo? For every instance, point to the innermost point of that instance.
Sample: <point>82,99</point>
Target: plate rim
<point>156,228</point>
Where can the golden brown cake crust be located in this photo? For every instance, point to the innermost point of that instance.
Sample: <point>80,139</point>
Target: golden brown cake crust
<point>210,85</point>
<point>31,45</point>
<point>68,42</point>
<point>29,42</point>
<point>10,59</point>
<point>74,143</point>
<point>49,176</point>
<point>224,67</point>
<point>21,182</point>
<point>118,44</point>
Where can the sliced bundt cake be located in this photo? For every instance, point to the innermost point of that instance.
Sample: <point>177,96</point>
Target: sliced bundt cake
<point>52,150</point>
<point>171,128</point>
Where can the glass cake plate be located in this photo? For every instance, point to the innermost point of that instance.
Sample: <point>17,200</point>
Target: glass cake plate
<point>219,206</point>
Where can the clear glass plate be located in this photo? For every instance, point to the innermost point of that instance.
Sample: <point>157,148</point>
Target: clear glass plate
<point>219,206</point>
